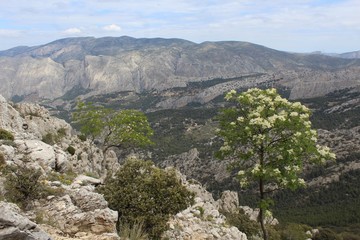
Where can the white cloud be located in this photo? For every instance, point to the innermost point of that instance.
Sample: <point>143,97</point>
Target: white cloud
<point>9,33</point>
<point>112,28</point>
<point>72,31</point>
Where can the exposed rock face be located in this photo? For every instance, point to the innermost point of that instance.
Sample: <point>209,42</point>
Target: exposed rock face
<point>202,220</point>
<point>30,124</point>
<point>76,210</point>
<point>229,201</point>
<point>189,164</point>
<point>108,65</point>
<point>14,226</point>
<point>80,210</point>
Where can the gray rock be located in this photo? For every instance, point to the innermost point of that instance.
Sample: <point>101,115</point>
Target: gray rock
<point>229,201</point>
<point>15,226</point>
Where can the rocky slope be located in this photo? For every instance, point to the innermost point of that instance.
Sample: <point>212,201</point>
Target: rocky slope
<point>72,208</point>
<point>97,66</point>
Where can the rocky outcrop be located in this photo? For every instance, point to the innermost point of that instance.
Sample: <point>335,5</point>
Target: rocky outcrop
<point>190,164</point>
<point>42,142</point>
<point>79,210</point>
<point>203,219</point>
<point>15,226</point>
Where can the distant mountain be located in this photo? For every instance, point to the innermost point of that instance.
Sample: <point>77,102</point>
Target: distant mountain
<point>349,55</point>
<point>91,66</point>
<point>355,54</point>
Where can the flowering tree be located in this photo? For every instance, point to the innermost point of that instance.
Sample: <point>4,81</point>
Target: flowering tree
<point>271,140</point>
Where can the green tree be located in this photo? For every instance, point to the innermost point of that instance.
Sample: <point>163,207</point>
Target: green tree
<point>141,192</point>
<point>124,128</point>
<point>271,140</point>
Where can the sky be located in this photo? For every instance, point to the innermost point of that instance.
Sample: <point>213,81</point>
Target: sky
<point>331,26</point>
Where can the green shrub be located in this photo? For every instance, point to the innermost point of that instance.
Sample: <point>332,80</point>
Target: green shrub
<point>349,236</point>
<point>133,232</point>
<point>294,231</point>
<point>243,223</point>
<point>71,150</point>
<point>2,161</point>
<point>49,139</point>
<point>22,185</point>
<point>6,135</point>
<point>65,178</point>
<point>141,192</point>
<point>82,137</point>
<point>326,234</point>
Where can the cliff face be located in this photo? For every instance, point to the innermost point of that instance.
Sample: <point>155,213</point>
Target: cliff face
<point>107,65</point>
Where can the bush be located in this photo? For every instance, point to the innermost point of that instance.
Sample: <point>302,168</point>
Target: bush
<point>82,137</point>
<point>326,234</point>
<point>65,178</point>
<point>133,232</point>
<point>71,150</point>
<point>22,185</point>
<point>2,161</point>
<point>49,139</point>
<point>243,223</point>
<point>141,192</point>
<point>350,236</point>
<point>6,135</point>
<point>294,231</point>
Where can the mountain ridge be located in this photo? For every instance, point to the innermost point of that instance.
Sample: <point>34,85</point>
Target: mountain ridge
<point>114,64</point>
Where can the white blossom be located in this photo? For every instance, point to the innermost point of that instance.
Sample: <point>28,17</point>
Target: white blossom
<point>294,114</point>
<point>240,119</point>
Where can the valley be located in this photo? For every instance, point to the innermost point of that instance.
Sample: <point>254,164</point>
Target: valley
<point>181,85</point>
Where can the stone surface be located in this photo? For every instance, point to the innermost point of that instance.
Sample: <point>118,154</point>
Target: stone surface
<point>76,210</point>
<point>202,220</point>
<point>80,210</point>
<point>228,202</point>
<point>15,226</point>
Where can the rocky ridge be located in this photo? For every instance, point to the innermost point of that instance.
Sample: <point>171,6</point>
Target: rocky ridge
<point>74,210</point>
<point>90,66</point>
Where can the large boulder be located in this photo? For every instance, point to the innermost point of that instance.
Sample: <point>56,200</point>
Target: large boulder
<point>15,226</point>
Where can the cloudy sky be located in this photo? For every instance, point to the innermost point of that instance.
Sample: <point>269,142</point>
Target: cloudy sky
<point>290,25</point>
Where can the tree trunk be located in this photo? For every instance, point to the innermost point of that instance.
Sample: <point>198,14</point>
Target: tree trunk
<point>262,213</point>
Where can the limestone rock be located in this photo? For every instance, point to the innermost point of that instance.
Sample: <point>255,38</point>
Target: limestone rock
<point>228,202</point>
<point>202,220</point>
<point>254,213</point>
<point>80,211</point>
<point>13,225</point>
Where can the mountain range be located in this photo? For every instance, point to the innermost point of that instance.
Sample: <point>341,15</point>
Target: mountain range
<point>180,85</point>
<point>90,66</point>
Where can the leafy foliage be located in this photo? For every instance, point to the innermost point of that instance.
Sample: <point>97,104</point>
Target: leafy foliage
<point>141,192</point>
<point>6,135</point>
<point>125,128</point>
<point>22,185</point>
<point>242,222</point>
<point>271,139</point>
